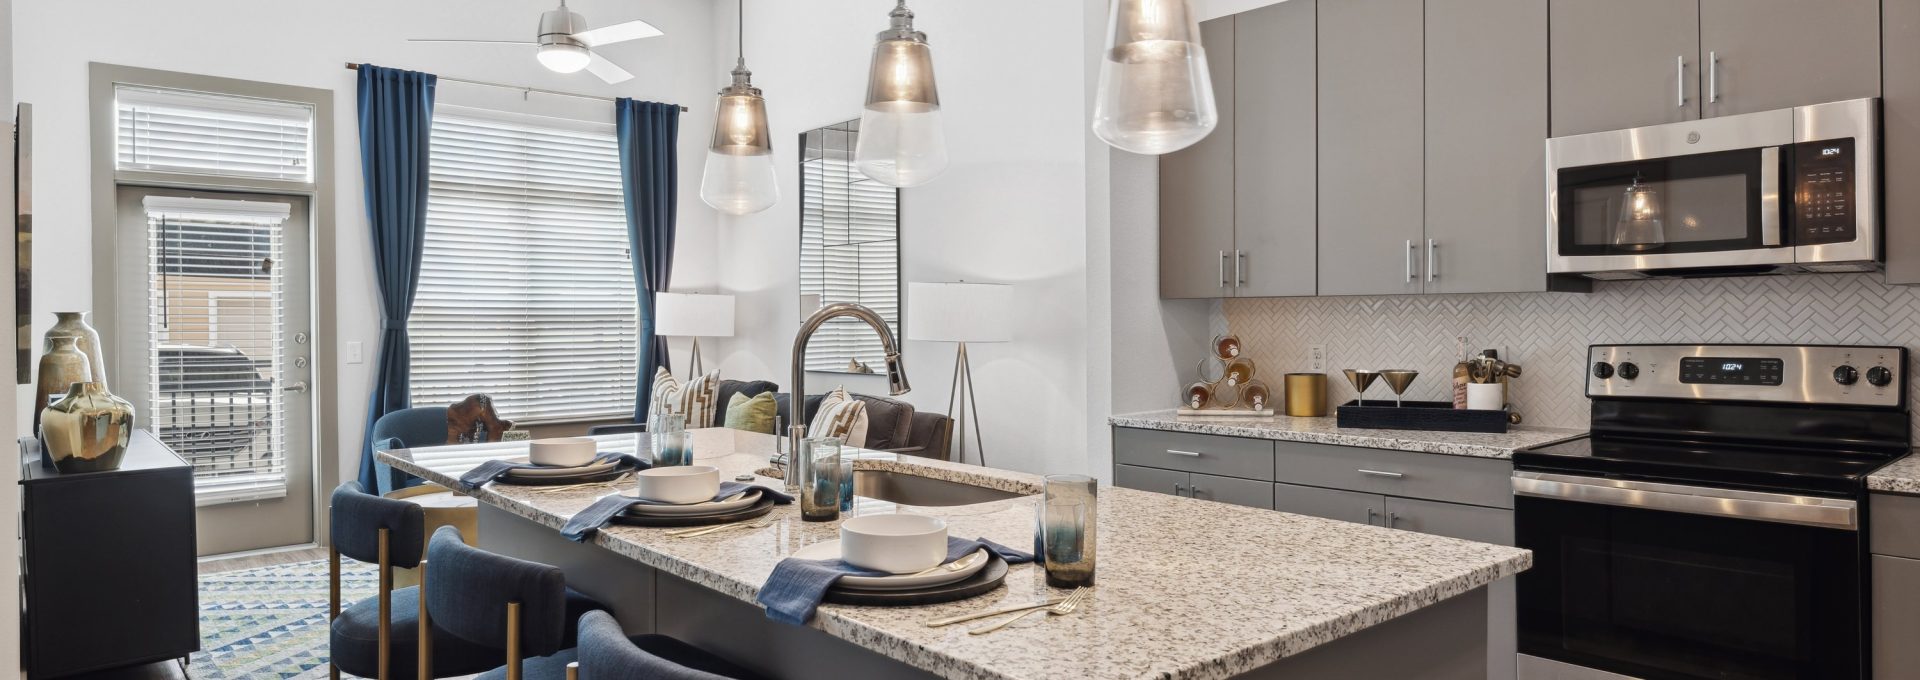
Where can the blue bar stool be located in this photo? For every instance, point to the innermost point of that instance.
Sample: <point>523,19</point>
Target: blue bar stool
<point>522,613</point>
<point>606,653</point>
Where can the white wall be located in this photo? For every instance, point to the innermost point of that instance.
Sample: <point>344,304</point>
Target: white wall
<point>9,399</point>
<point>306,44</point>
<point>1011,208</point>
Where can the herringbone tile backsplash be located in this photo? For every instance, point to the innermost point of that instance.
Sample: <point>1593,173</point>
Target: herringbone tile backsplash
<point>1548,333</point>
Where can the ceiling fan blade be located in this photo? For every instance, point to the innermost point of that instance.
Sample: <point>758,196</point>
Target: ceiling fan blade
<point>607,70</point>
<point>477,42</point>
<point>607,35</point>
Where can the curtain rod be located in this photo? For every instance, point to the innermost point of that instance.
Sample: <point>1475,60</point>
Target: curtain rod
<point>355,67</point>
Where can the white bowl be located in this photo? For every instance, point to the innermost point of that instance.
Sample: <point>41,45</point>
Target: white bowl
<point>680,483</point>
<point>562,452</point>
<point>896,544</point>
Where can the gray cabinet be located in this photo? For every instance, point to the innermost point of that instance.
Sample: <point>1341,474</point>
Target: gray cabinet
<point>1370,132</point>
<point>1485,228</point>
<point>1900,132</point>
<point>1623,63</point>
<point>1896,618</point>
<point>1202,453</point>
<point>1346,506</point>
<point>1762,55</point>
<point>1274,158</point>
<point>1196,189</point>
<point>1469,522</point>
<point>1247,492</point>
<point>1150,479</point>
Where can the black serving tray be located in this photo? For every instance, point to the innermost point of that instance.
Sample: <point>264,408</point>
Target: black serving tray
<point>1435,416</point>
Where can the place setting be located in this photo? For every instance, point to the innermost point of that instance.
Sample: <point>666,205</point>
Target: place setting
<point>890,560</point>
<point>677,496</point>
<point>564,461</point>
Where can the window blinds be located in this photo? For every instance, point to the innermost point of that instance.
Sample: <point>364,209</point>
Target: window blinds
<point>526,293</point>
<point>849,252</point>
<point>182,132</point>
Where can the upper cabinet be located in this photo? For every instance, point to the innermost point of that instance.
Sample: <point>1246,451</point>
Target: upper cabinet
<point>1900,132</point>
<point>1197,187</point>
<point>1629,63</point>
<point>1371,236</point>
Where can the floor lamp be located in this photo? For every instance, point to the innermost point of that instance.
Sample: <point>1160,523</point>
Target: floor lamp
<point>960,313</point>
<point>691,315</point>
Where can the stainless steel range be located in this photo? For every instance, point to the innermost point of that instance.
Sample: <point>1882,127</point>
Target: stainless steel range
<point>1712,525</point>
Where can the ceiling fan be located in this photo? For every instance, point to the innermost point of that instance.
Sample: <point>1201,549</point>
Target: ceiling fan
<point>564,47</point>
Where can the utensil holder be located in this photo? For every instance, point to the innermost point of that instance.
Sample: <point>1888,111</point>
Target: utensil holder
<point>1306,395</point>
<point>817,467</point>
<point>1066,532</point>
<point>1486,396</point>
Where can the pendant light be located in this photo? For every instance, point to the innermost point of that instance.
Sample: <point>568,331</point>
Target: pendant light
<point>739,178</point>
<point>1155,94</point>
<point>901,142</point>
<point>1639,226</point>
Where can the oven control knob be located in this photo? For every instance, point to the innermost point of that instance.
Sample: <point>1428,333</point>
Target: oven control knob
<point>1602,370</point>
<point>1879,376</point>
<point>1629,370</point>
<point>1846,375</point>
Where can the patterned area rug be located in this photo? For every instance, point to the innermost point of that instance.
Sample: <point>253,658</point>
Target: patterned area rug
<point>271,622</point>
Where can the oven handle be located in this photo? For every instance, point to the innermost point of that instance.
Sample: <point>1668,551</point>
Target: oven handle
<point>1769,195</point>
<point>1830,513</point>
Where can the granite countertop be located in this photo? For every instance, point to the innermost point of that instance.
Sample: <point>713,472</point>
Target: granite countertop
<point>1187,588</point>
<point>1902,476</point>
<point>1323,430</point>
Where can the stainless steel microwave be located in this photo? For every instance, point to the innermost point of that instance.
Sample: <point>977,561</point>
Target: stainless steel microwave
<point>1792,190</point>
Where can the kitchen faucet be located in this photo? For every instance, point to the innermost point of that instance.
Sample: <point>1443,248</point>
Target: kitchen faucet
<point>797,402</point>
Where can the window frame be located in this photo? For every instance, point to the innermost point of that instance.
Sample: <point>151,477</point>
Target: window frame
<point>899,324</point>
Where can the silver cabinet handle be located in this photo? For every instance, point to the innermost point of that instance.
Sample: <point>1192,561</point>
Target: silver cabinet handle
<point>1680,81</point>
<point>1409,261</point>
<point>1178,487</point>
<point>1189,454</point>
<point>1223,269</point>
<point>1194,491</point>
<point>300,387</point>
<point>1713,78</point>
<point>1239,256</point>
<point>1393,518</point>
<point>1371,514</point>
<point>1381,473</point>
<point>1431,273</point>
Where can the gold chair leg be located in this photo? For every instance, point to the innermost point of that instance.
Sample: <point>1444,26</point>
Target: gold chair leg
<point>573,671</point>
<point>513,641</point>
<point>386,609</point>
<point>426,629</point>
<point>333,602</point>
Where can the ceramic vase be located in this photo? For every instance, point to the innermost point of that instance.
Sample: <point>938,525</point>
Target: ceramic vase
<point>74,325</point>
<point>88,431</point>
<point>60,367</point>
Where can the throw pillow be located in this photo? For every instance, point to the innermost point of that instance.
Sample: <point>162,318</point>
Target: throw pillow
<point>666,394</point>
<point>753,414</point>
<point>841,416</point>
<point>697,399</point>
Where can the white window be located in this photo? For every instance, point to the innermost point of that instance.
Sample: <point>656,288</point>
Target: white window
<point>196,133</point>
<point>849,249</point>
<point>526,293</point>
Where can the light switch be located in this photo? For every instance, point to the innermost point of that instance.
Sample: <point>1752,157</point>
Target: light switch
<point>356,352</point>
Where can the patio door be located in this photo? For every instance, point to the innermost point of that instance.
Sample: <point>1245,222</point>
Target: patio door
<point>214,327</point>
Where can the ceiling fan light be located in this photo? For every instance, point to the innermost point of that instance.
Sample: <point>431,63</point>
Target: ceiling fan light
<point>564,58</point>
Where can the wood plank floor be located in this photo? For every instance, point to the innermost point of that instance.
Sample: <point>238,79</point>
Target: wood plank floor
<point>262,560</point>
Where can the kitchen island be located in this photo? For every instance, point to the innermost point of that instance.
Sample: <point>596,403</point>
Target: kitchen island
<point>1186,588</point>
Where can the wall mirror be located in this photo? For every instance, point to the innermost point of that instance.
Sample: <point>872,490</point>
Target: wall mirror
<point>849,249</point>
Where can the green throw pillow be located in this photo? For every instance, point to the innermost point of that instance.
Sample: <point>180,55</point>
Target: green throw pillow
<point>752,415</point>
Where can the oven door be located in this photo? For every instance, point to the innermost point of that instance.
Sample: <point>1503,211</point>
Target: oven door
<point>1663,582</point>
<point>1680,196</point>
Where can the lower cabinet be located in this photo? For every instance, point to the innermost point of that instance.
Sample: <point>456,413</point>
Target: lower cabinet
<point>1233,490</point>
<point>1896,621</point>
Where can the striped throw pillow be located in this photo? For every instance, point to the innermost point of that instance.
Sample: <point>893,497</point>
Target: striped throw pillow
<point>842,416</point>
<point>697,399</point>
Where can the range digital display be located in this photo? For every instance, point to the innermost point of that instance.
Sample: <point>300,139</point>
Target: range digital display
<point>1718,371</point>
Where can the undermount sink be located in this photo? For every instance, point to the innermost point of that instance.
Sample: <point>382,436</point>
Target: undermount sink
<point>906,489</point>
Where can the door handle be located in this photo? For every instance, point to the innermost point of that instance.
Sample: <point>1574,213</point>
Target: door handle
<point>1393,519</point>
<point>1409,260</point>
<point>298,386</point>
<point>1680,81</point>
<point>1713,78</point>
<point>1189,454</point>
<point>1223,269</point>
<point>1371,514</point>
<point>1177,488</point>
<point>1431,273</point>
<point>1381,473</point>
<point>1239,256</point>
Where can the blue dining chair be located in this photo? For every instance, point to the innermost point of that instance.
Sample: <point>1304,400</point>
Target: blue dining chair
<point>379,637</point>
<point>407,428</point>
<point>522,612</point>
<point>606,653</point>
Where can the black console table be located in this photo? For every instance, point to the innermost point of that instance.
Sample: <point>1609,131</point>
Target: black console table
<point>111,578</point>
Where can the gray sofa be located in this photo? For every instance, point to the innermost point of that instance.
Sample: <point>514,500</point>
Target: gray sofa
<point>892,425</point>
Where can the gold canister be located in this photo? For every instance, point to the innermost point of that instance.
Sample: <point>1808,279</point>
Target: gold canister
<point>1306,395</point>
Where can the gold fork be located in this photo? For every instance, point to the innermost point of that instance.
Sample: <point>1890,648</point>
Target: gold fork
<point>955,565</point>
<point>702,531</point>
<point>1080,596</point>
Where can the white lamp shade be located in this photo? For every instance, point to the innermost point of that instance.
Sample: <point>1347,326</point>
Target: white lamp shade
<point>958,312</point>
<point>688,315</point>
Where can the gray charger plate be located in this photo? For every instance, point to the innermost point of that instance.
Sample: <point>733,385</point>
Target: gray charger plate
<point>760,507</point>
<point>982,582</point>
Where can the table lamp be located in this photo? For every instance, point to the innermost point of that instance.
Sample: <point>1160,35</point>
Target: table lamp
<point>691,315</point>
<point>960,313</point>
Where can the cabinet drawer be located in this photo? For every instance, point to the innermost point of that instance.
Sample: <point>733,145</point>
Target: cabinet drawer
<point>1455,479</point>
<point>1150,479</point>
<point>1202,453</point>
<point>1467,522</point>
<point>1349,506</point>
<point>1896,621</point>
<point>1896,525</point>
<point>1231,490</point>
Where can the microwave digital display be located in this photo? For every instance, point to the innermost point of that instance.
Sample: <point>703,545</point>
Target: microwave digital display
<point>1719,371</point>
<point>1823,192</point>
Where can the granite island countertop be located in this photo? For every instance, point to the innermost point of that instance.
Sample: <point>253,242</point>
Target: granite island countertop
<point>1900,476</point>
<point>1323,430</point>
<point>1187,588</point>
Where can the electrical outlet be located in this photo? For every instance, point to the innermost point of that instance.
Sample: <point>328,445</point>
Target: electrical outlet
<point>1317,358</point>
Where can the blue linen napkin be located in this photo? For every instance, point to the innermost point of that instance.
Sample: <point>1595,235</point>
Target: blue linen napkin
<point>795,588</point>
<point>493,469</point>
<point>584,523</point>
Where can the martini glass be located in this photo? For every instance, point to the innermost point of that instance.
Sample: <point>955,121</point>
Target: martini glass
<point>1361,381</point>
<point>1398,380</point>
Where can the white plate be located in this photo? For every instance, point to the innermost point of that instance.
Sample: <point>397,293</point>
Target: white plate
<point>737,502</point>
<point>830,550</point>
<point>581,471</point>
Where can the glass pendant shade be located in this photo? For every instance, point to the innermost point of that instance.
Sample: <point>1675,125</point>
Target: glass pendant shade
<point>739,177</point>
<point>1639,226</point>
<point>901,140</point>
<point>1155,93</point>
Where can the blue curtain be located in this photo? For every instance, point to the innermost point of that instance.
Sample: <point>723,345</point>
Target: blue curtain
<point>649,175</point>
<point>396,123</point>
